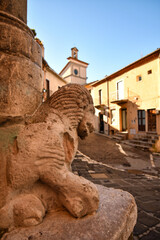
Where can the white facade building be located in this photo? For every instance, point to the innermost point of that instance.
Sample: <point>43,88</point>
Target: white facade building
<point>75,70</point>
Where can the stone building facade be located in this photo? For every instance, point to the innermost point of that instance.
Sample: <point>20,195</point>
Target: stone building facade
<point>51,80</point>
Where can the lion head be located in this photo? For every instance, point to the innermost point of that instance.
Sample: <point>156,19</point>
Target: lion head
<point>74,101</point>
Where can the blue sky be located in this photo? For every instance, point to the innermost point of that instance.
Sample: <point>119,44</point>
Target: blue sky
<point>110,34</point>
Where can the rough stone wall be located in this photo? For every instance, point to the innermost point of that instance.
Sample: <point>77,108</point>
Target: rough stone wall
<point>20,62</point>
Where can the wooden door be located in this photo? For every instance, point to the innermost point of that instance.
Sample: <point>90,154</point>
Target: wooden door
<point>124,119</point>
<point>101,129</point>
<point>141,120</point>
<point>151,120</point>
<point>48,88</point>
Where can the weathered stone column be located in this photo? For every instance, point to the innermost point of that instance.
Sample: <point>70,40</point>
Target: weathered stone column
<point>20,62</point>
<point>17,8</point>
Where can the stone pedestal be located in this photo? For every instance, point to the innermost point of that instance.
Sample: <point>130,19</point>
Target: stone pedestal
<point>115,220</point>
<point>20,62</point>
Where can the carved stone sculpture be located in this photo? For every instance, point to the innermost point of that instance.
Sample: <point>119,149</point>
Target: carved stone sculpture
<point>36,176</point>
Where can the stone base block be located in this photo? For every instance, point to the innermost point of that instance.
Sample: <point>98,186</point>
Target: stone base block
<point>115,220</point>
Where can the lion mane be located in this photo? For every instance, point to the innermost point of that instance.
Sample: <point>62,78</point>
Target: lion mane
<point>70,100</point>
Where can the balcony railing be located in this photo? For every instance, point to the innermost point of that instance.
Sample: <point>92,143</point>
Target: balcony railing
<point>117,95</point>
<point>98,102</point>
<point>129,95</point>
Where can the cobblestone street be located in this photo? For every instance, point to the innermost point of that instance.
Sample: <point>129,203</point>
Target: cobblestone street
<point>145,187</point>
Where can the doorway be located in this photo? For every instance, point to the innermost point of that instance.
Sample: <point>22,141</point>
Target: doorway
<point>124,119</point>
<point>101,123</point>
<point>120,90</point>
<point>151,120</point>
<point>141,120</point>
<point>48,88</point>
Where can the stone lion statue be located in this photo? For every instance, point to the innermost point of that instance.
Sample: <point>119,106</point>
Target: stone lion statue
<point>36,176</point>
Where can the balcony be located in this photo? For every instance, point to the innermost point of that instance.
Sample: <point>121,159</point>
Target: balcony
<point>100,106</point>
<point>99,103</point>
<point>117,97</point>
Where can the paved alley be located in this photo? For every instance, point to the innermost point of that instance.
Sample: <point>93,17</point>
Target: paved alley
<point>142,183</point>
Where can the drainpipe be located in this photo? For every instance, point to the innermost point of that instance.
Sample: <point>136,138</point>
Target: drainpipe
<point>158,117</point>
<point>159,82</point>
<point>108,107</point>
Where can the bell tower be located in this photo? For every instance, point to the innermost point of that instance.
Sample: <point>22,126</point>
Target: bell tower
<point>75,70</point>
<point>74,52</point>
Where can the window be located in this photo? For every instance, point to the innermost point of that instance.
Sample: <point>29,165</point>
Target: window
<point>113,116</point>
<point>139,78</point>
<point>100,96</point>
<point>75,71</point>
<point>74,54</point>
<point>120,90</point>
<point>48,88</point>
<point>150,71</point>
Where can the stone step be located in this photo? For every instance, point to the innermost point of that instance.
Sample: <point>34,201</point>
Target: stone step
<point>145,136</point>
<point>151,133</point>
<point>123,136</point>
<point>150,141</point>
<point>147,139</point>
<point>127,142</point>
<point>122,133</point>
<point>138,142</point>
<point>117,138</point>
<point>120,136</point>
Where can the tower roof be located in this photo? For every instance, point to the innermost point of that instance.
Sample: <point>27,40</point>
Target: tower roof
<point>75,49</point>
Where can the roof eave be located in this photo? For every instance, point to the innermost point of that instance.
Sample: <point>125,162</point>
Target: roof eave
<point>128,67</point>
<point>56,74</point>
<point>71,58</point>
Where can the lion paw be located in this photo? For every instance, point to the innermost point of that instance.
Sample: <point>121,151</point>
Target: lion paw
<point>28,211</point>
